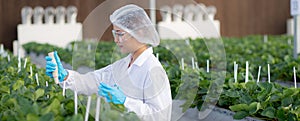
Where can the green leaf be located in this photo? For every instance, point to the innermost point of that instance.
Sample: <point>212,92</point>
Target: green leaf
<point>38,93</point>
<point>232,93</point>
<point>25,104</point>
<point>254,107</point>
<point>12,102</point>
<point>18,84</point>
<point>4,98</point>
<point>290,92</point>
<point>292,117</point>
<point>4,89</point>
<point>263,95</point>
<point>53,107</point>
<point>269,112</point>
<point>297,110</point>
<point>231,83</point>
<point>240,115</point>
<point>265,86</point>
<point>239,107</point>
<point>47,117</point>
<point>287,101</point>
<point>251,86</point>
<point>275,97</point>
<point>77,117</point>
<point>113,115</point>
<point>32,117</point>
<point>131,116</point>
<point>280,114</point>
<point>246,98</point>
<point>29,95</point>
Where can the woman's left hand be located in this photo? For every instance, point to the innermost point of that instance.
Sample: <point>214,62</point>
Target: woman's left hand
<point>112,94</point>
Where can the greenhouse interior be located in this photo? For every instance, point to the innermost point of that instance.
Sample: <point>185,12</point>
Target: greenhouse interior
<point>212,60</point>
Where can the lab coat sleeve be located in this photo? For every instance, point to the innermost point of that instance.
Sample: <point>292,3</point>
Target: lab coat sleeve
<point>86,84</point>
<point>158,108</point>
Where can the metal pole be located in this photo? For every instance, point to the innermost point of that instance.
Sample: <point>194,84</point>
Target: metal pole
<point>295,37</point>
<point>153,11</point>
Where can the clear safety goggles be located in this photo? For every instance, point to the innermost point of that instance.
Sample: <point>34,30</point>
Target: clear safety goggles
<point>116,33</point>
<point>119,35</point>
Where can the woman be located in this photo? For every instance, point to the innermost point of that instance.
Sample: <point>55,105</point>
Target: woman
<point>137,81</point>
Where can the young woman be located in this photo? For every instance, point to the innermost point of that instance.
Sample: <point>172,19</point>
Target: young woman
<point>137,81</point>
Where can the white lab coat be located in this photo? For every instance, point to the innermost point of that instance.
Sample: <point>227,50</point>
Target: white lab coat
<point>144,83</point>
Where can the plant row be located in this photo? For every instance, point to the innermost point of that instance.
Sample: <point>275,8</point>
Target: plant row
<point>192,82</point>
<point>26,93</point>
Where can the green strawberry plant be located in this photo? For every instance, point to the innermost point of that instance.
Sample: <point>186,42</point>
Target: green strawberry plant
<point>21,98</point>
<point>268,101</point>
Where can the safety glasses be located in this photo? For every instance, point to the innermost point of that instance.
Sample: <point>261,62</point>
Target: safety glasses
<point>116,33</point>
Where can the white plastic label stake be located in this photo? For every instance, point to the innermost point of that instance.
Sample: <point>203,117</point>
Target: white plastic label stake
<point>196,64</point>
<point>46,83</point>
<point>247,71</point>
<point>265,38</point>
<point>25,62</point>
<point>167,47</point>
<point>30,70</point>
<point>75,47</point>
<point>193,63</point>
<point>98,108</point>
<point>182,63</point>
<point>207,67</point>
<point>19,64</point>
<point>1,49</point>
<point>64,88</point>
<point>75,104</point>
<point>55,72</point>
<point>269,76</point>
<point>157,56</point>
<point>89,48</point>
<point>47,86</point>
<point>295,81</point>
<point>8,58</point>
<point>37,79</point>
<point>87,108</point>
<point>187,42</point>
<point>235,71</point>
<point>258,75</point>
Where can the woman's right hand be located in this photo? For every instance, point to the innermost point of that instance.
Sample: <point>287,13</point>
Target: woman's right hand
<point>51,66</point>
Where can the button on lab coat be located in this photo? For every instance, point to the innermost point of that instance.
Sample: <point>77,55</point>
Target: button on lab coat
<point>144,83</point>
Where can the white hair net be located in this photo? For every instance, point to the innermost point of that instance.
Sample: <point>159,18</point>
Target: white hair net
<point>134,20</point>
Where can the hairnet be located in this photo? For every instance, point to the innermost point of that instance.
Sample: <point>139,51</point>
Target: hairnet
<point>134,20</point>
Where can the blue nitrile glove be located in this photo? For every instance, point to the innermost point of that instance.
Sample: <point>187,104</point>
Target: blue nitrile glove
<point>112,94</point>
<point>50,67</point>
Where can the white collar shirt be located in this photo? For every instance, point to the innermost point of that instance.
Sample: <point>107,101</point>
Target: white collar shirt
<point>144,83</point>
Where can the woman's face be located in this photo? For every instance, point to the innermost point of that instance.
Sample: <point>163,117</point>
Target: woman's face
<point>125,41</point>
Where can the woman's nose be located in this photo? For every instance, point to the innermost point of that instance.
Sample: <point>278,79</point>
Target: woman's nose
<point>116,39</point>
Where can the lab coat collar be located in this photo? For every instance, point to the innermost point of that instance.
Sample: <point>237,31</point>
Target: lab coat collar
<point>143,57</point>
